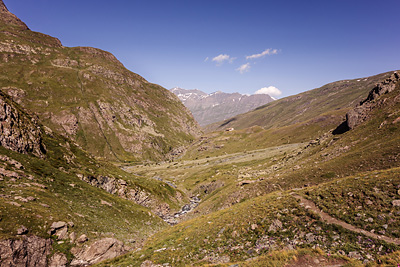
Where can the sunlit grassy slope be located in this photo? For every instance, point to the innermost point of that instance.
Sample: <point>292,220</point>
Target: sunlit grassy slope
<point>318,105</point>
<point>247,211</point>
<point>276,222</point>
<point>87,95</point>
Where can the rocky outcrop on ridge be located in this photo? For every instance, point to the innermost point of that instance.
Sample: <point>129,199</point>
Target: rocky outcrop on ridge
<point>361,113</point>
<point>18,132</point>
<point>9,18</point>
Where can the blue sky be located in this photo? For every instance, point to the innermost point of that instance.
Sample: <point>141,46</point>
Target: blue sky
<point>291,45</point>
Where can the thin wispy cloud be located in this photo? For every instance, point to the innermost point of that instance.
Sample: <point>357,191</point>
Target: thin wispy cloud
<point>205,60</point>
<point>220,59</point>
<point>270,90</point>
<point>244,68</point>
<point>266,52</point>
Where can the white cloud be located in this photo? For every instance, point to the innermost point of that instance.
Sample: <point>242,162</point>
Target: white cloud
<point>244,68</point>
<point>220,59</point>
<point>266,52</point>
<point>270,90</point>
<point>205,60</point>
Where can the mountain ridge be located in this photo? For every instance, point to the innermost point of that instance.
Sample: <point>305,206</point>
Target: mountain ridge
<point>9,18</point>
<point>217,106</point>
<point>87,95</point>
<point>334,97</point>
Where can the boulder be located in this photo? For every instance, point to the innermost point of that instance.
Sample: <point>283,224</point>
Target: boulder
<point>72,237</point>
<point>22,230</point>
<point>82,239</point>
<point>58,260</point>
<point>277,224</point>
<point>58,225</point>
<point>60,229</point>
<point>100,250</point>
<point>396,203</point>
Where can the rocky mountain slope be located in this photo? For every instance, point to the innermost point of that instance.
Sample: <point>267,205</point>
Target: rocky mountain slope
<point>218,106</point>
<point>326,104</point>
<point>87,95</point>
<point>59,205</point>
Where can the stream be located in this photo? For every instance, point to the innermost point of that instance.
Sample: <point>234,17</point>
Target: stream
<point>173,219</point>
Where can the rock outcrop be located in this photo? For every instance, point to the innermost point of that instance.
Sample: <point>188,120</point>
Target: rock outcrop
<point>9,18</point>
<point>128,191</point>
<point>28,251</point>
<point>100,250</point>
<point>18,132</point>
<point>58,260</point>
<point>362,112</point>
<point>59,229</point>
<point>387,86</point>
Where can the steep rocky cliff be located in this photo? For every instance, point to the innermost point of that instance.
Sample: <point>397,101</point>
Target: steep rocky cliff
<point>87,95</point>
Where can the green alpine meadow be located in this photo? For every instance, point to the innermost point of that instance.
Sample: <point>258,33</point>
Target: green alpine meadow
<point>100,167</point>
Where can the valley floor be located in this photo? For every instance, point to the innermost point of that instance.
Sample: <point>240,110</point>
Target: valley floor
<point>344,221</point>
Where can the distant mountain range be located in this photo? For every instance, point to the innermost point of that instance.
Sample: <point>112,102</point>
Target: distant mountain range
<point>218,106</point>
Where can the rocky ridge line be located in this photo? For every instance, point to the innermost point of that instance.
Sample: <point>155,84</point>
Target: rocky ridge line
<point>361,113</point>
<point>9,18</point>
<point>218,106</point>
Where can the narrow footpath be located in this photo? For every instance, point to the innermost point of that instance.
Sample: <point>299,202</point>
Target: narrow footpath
<point>308,204</point>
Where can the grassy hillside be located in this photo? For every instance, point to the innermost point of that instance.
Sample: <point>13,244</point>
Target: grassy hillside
<point>249,211</point>
<point>87,95</point>
<point>65,183</point>
<point>280,190</point>
<point>313,104</point>
<point>256,137</point>
<point>277,228</point>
